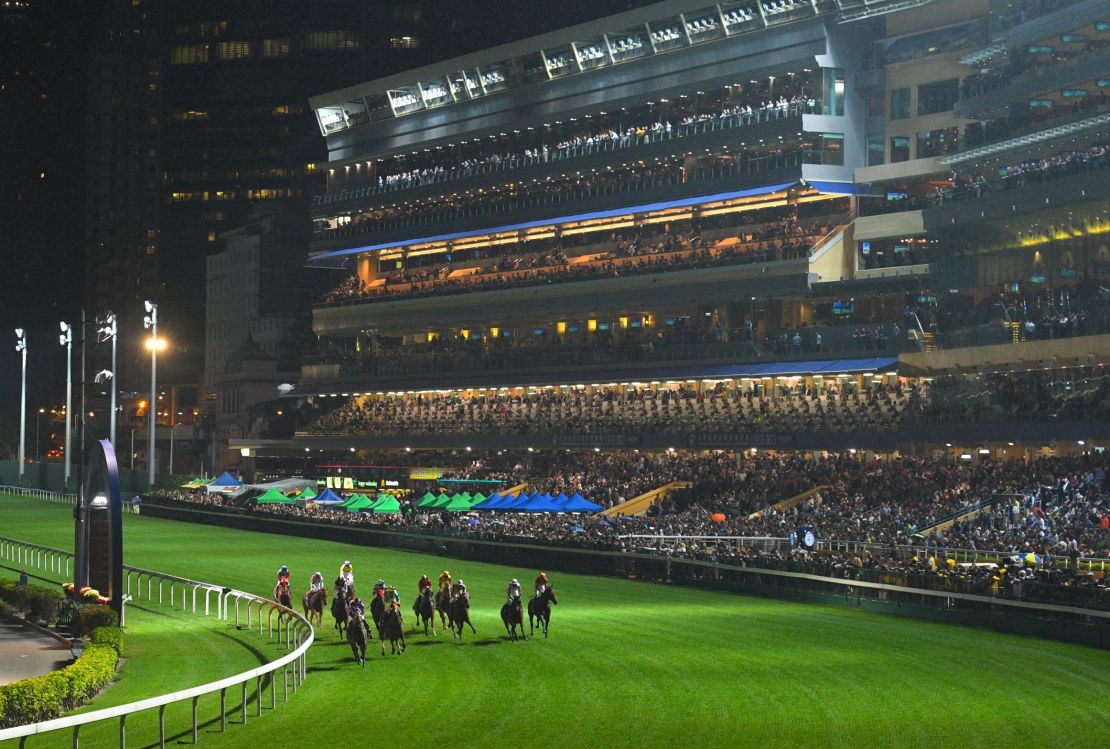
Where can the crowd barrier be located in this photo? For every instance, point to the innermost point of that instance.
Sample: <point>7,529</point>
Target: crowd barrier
<point>23,491</point>
<point>290,628</point>
<point>1014,614</point>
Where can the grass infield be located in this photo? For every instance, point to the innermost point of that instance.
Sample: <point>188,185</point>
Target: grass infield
<point>628,663</point>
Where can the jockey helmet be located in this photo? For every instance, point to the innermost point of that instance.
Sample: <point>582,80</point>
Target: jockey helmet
<point>381,581</point>
<point>283,568</point>
<point>346,562</point>
<point>514,581</point>
<point>460,583</point>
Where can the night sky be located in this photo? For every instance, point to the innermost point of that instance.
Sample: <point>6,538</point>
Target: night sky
<point>45,50</point>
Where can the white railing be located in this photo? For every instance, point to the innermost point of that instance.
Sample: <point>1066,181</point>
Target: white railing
<point>293,631</point>
<point>23,491</point>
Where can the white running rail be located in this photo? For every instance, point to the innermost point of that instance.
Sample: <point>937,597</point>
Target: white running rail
<point>292,630</point>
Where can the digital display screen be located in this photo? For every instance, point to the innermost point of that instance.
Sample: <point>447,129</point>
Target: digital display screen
<point>1040,49</point>
<point>1102,25</point>
<point>901,248</point>
<point>1103,83</point>
<point>670,321</point>
<point>1014,287</point>
<point>896,196</point>
<point>1073,93</point>
<point>927,299</point>
<point>1037,278</point>
<point>506,334</point>
<point>537,331</point>
<point>1073,38</point>
<point>1040,103</point>
<point>865,248</point>
<point>635,324</point>
<point>475,336</point>
<point>572,328</point>
<point>603,326</point>
<point>842,308</point>
<point>1069,273</point>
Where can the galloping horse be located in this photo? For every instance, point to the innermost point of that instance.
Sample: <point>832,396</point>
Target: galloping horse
<point>343,594</point>
<point>356,638</point>
<point>281,594</point>
<point>377,610</point>
<point>424,609</point>
<point>443,605</point>
<point>391,629</point>
<point>314,602</point>
<point>512,613</point>
<point>460,615</point>
<point>539,607</point>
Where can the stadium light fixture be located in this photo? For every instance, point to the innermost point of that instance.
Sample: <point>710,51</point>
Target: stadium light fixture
<point>21,349</point>
<point>65,338</point>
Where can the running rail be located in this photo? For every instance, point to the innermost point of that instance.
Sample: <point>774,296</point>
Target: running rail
<point>293,630</point>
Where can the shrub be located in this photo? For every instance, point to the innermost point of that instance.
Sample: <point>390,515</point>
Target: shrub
<point>92,616</point>
<point>110,636</point>
<point>48,696</point>
<point>41,602</point>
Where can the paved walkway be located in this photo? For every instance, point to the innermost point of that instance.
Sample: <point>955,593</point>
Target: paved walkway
<point>25,653</point>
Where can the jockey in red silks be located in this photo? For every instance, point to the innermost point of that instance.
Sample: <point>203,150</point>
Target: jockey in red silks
<point>379,589</point>
<point>283,575</point>
<point>541,583</point>
<point>425,582</point>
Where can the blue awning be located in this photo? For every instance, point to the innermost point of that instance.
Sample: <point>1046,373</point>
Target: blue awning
<point>835,188</point>
<point>335,258</point>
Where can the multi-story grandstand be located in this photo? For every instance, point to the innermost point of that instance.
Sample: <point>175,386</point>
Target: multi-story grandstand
<point>772,225</point>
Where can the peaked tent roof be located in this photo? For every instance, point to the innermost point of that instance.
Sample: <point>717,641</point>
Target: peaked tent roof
<point>561,499</point>
<point>427,500</point>
<point>457,503</point>
<point>386,504</point>
<point>361,503</point>
<point>516,502</point>
<point>306,494</point>
<point>539,503</point>
<point>273,496</point>
<point>488,503</point>
<point>328,498</point>
<point>226,479</point>
<point>578,503</point>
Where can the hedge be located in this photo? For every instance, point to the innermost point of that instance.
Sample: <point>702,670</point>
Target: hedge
<point>42,603</point>
<point>49,696</point>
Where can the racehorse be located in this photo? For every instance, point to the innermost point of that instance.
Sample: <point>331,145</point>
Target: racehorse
<point>512,613</point>
<point>539,607</point>
<point>424,609</point>
<point>356,638</point>
<point>460,615</point>
<point>377,609</point>
<point>392,630</point>
<point>443,605</point>
<point>281,594</point>
<point>314,602</point>
<point>343,594</point>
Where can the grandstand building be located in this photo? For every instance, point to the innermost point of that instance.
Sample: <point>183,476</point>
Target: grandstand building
<point>759,224</point>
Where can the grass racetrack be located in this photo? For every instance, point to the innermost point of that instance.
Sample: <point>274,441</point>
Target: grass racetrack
<point>628,663</point>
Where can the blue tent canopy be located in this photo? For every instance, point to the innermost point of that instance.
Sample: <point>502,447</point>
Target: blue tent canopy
<point>514,503</point>
<point>328,498</point>
<point>578,503</point>
<point>539,503</point>
<point>226,479</point>
<point>561,499</point>
<point>489,502</point>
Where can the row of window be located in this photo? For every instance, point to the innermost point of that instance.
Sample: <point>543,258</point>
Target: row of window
<point>263,193</point>
<point>190,54</point>
<point>277,110</point>
<point>932,98</point>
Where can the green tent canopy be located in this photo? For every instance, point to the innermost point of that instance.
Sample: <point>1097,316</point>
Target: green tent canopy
<point>273,496</point>
<point>361,503</point>
<point>457,503</point>
<point>306,494</point>
<point>427,500</point>
<point>387,503</point>
<point>478,497</point>
<point>349,501</point>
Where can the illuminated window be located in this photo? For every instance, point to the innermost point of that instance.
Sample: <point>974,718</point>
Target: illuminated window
<point>275,48</point>
<point>280,109</point>
<point>310,168</point>
<point>211,236</point>
<point>332,40</point>
<point>189,55</point>
<point>233,50</point>
<point>404,42</point>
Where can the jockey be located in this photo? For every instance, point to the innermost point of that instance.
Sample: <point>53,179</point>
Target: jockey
<point>445,581</point>
<point>425,582</point>
<point>356,607</point>
<point>317,581</point>
<point>513,590</point>
<point>340,587</point>
<point>541,583</point>
<point>347,572</point>
<point>458,590</point>
<point>283,575</point>
<point>379,589</point>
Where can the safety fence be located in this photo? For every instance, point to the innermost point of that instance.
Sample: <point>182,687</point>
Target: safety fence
<point>23,491</point>
<point>289,628</point>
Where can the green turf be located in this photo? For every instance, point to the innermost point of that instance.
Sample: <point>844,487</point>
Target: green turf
<point>632,664</point>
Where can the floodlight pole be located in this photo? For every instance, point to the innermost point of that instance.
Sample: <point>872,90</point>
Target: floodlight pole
<point>21,347</point>
<point>151,322</point>
<point>66,339</point>
<point>115,378</point>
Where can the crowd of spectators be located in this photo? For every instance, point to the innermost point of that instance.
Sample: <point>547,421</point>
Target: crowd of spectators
<point>766,236</point>
<point>671,170</point>
<point>634,409</point>
<point>564,140</point>
<point>1019,61</point>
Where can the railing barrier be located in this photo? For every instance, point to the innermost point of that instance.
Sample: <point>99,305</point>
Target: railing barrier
<point>48,559</point>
